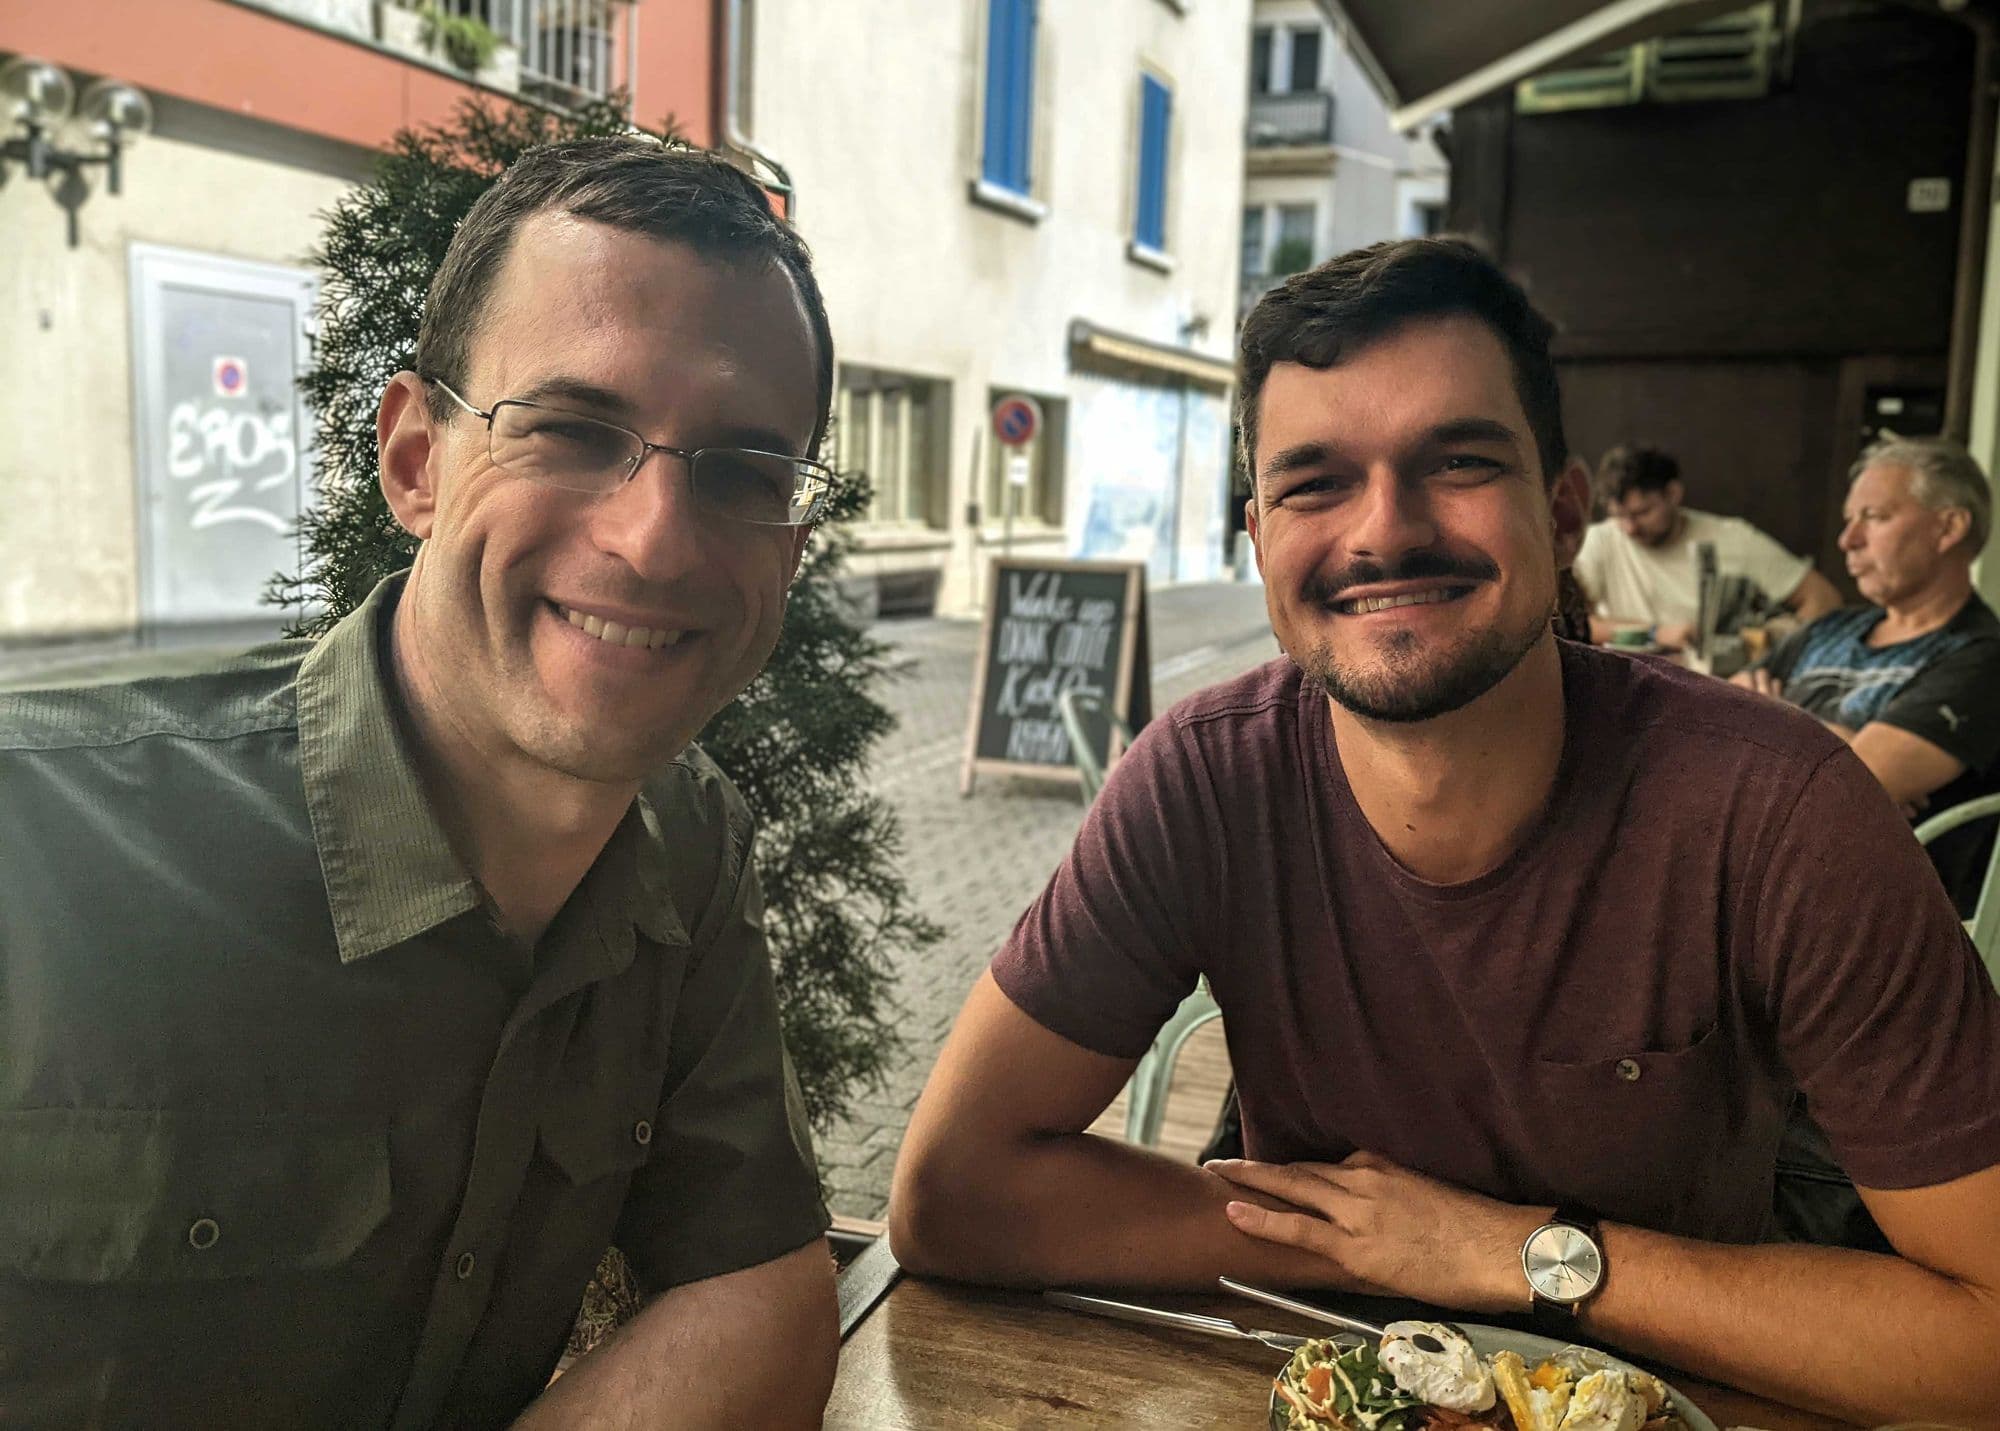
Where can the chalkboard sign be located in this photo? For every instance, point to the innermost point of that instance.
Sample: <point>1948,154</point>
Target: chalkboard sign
<point>1052,627</point>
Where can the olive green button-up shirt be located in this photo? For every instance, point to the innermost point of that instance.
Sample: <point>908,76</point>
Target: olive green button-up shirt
<point>291,1134</point>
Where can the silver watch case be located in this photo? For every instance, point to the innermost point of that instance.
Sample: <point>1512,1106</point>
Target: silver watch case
<point>1563,1264</point>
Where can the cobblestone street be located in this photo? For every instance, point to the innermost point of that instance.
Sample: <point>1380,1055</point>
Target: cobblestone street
<point>977,862</point>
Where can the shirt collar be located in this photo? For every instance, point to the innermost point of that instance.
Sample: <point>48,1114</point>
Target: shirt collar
<point>390,872</point>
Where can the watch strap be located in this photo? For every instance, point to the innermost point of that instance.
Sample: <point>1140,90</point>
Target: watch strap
<point>1558,1319</point>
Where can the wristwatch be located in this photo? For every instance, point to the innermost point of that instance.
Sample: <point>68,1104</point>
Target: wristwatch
<point>1564,1263</point>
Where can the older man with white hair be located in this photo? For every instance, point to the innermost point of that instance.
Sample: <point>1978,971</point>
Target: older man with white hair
<point>1911,680</point>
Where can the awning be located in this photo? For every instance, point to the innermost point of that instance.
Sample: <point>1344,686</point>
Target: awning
<point>1434,55</point>
<point>1088,341</point>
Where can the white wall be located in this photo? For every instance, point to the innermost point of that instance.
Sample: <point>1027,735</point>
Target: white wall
<point>69,563</point>
<point>880,125</point>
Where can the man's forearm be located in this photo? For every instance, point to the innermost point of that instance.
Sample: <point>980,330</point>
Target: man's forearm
<point>755,1347</point>
<point>1077,1209</point>
<point>1867,1337</point>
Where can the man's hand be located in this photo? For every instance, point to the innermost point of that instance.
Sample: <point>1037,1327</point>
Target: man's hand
<point>1392,1229</point>
<point>1674,635</point>
<point>1761,681</point>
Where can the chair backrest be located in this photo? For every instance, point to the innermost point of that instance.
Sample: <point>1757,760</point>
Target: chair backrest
<point>1984,926</point>
<point>1085,716</point>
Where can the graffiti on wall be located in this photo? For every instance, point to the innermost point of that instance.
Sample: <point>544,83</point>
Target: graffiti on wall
<point>227,455</point>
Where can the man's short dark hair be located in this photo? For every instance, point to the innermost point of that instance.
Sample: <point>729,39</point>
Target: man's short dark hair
<point>1626,470</point>
<point>667,191</point>
<point>1328,313</point>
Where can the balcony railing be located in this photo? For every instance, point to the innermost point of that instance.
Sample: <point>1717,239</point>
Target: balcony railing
<point>1291,119</point>
<point>571,50</point>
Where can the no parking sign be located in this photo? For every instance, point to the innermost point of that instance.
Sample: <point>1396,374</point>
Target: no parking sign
<point>1016,420</point>
<point>232,377</point>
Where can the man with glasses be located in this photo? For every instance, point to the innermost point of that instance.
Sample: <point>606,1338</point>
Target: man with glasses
<point>356,995</point>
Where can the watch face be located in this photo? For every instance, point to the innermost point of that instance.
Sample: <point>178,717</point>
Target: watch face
<point>1562,1263</point>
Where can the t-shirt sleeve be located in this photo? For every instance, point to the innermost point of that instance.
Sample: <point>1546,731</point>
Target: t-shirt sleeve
<point>1881,1009</point>
<point>1589,566</point>
<point>1765,561</point>
<point>1110,948</point>
<point>731,1181</point>
<point>1954,703</point>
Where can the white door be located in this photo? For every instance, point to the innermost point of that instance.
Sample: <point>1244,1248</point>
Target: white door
<point>221,438</point>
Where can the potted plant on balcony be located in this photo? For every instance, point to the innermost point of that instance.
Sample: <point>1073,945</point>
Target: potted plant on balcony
<point>465,42</point>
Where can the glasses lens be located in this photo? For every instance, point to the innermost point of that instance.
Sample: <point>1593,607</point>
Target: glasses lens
<point>560,448</point>
<point>758,486</point>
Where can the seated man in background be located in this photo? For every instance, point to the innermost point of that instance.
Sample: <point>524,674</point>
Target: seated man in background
<point>356,994</point>
<point>1911,680</point>
<point>1638,566</point>
<point>1515,940</point>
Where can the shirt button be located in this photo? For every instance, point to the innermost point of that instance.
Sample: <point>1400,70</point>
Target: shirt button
<point>204,1233</point>
<point>466,1262</point>
<point>642,1132</point>
<point>1628,1069</point>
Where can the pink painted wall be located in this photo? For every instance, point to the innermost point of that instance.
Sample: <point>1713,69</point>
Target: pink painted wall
<point>253,63</point>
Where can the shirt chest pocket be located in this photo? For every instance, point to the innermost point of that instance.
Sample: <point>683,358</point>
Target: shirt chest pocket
<point>99,1196</point>
<point>1630,1135</point>
<point>592,1134</point>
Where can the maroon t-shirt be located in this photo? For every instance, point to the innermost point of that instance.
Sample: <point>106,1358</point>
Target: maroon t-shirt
<point>1720,905</point>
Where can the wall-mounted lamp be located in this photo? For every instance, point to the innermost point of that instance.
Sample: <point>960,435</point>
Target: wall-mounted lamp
<point>36,100</point>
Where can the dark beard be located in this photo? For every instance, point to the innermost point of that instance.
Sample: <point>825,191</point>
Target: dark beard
<point>1466,675</point>
<point>1410,688</point>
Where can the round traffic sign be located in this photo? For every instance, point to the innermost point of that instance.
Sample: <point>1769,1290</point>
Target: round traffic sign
<point>1016,420</point>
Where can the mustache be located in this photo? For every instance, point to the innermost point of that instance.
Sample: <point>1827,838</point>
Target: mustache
<point>1421,565</point>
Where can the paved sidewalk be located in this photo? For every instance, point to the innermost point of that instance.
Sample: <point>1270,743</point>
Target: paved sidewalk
<point>976,863</point>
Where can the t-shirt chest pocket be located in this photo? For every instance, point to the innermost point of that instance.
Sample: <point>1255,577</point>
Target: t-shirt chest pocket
<point>116,1195</point>
<point>1627,1133</point>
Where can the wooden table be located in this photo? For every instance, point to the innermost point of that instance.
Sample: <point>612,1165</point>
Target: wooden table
<point>930,1356</point>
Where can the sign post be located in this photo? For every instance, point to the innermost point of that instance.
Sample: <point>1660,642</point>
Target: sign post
<point>1016,420</point>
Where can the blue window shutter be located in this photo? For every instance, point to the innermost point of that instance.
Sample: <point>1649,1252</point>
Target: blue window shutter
<point>1024,91</point>
<point>1010,91</point>
<point>1155,110</point>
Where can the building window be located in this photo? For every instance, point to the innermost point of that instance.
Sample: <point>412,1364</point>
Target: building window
<point>1155,114</point>
<point>1253,240</point>
<point>890,428</point>
<point>1010,94</point>
<point>1285,59</point>
<point>1305,61</point>
<point>1039,498</point>
<point>1293,250</point>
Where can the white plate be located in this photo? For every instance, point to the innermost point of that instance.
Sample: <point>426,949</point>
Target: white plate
<point>1534,1350</point>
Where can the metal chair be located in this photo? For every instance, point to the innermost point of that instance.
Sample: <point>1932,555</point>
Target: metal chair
<point>1984,926</point>
<point>1147,1092</point>
<point>1079,710</point>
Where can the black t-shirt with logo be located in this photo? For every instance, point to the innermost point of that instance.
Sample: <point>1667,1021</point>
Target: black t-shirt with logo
<point>1943,687</point>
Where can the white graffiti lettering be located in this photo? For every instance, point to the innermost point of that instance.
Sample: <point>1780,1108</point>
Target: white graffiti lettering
<point>233,448</point>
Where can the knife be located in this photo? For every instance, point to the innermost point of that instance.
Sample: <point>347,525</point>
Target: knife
<point>1184,1321</point>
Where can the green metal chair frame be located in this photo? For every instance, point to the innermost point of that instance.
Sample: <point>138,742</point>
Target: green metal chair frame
<point>1146,1107</point>
<point>1077,708</point>
<point>1984,926</point>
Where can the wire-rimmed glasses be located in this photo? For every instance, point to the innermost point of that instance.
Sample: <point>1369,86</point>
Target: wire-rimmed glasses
<point>558,448</point>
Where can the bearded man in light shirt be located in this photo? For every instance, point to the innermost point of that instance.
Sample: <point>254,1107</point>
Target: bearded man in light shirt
<point>1637,567</point>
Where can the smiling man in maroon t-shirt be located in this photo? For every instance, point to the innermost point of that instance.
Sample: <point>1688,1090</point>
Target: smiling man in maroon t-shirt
<point>1516,942</point>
